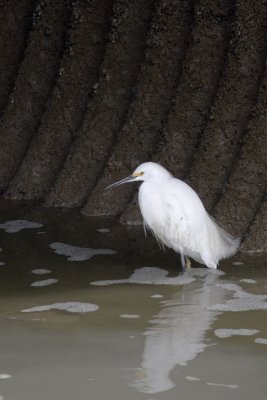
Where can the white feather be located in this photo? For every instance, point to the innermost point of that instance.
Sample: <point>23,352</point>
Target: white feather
<point>175,215</point>
<point>178,219</point>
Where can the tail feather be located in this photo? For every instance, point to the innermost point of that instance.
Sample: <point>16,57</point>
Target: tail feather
<point>224,245</point>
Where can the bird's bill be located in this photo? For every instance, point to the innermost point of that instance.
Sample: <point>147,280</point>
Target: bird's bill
<point>130,178</point>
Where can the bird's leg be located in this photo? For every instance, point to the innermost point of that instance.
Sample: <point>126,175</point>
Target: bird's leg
<point>183,262</point>
<point>188,263</point>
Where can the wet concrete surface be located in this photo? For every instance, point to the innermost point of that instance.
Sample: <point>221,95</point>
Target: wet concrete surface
<point>102,313</point>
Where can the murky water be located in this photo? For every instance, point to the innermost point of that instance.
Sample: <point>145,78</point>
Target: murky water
<point>80,320</point>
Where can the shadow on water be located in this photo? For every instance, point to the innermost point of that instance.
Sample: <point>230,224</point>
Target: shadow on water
<point>91,310</point>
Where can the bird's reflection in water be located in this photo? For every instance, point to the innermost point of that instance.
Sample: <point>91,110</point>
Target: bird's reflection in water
<point>176,334</point>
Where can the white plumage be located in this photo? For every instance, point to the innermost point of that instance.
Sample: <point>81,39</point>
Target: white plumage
<point>174,213</point>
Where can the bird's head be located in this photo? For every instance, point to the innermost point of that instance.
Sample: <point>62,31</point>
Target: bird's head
<point>146,172</point>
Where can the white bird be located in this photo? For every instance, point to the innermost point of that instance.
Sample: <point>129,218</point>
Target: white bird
<point>176,216</point>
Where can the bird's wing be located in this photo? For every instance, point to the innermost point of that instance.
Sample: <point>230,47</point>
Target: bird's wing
<point>185,216</point>
<point>194,229</point>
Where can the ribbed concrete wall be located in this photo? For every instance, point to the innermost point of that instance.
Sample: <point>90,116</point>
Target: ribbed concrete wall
<point>91,89</point>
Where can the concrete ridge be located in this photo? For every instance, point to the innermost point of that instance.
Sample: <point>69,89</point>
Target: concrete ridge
<point>89,90</point>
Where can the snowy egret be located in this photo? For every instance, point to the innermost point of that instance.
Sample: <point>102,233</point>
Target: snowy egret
<point>176,216</point>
